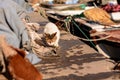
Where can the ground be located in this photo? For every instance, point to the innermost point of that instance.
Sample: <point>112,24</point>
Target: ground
<point>77,60</point>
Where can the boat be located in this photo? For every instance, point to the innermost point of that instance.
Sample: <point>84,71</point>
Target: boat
<point>106,41</point>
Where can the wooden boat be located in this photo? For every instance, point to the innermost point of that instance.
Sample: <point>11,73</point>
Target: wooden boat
<point>106,41</point>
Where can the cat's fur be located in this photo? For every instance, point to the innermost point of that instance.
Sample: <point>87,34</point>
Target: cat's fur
<point>52,34</point>
<point>18,67</point>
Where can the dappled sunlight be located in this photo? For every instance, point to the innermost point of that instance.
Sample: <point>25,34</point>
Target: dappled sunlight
<point>70,65</point>
<point>98,76</point>
<point>77,61</point>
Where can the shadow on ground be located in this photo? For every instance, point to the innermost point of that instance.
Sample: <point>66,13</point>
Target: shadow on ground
<point>99,76</point>
<point>70,64</point>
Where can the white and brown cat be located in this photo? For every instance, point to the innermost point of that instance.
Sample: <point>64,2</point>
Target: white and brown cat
<point>52,34</point>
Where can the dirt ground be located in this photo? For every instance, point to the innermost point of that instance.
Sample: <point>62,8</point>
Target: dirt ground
<point>77,60</point>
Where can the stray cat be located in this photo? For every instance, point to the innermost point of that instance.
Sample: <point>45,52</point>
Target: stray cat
<point>52,34</point>
<point>18,66</point>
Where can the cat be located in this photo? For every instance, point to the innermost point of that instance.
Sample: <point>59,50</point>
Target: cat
<point>17,65</point>
<point>52,34</point>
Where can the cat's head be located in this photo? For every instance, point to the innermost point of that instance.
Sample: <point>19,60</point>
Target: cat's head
<point>50,38</point>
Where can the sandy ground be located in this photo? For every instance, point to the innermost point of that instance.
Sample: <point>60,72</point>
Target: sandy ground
<point>77,60</point>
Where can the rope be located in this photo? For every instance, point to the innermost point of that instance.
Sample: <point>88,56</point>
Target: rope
<point>84,34</point>
<point>95,39</point>
<point>69,19</point>
<point>67,23</point>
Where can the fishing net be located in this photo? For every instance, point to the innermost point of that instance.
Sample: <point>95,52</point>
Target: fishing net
<point>38,44</point>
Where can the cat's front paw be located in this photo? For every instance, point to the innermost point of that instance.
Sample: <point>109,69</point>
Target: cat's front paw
<point>56,45</point>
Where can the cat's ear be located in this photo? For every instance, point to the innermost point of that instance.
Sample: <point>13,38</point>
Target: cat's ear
<point>53,35</point>
<point>45,34</point>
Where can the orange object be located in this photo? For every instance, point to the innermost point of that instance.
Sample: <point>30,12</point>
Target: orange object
<point>18,66</point>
